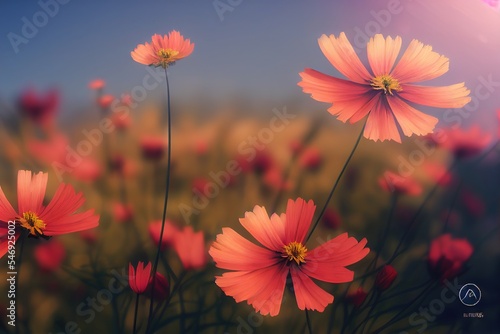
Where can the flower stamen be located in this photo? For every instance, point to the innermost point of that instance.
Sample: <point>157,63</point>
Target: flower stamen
<point>166,56</point>
<point>295,251</point>
<point>33,223</point>
<point>386,83</point>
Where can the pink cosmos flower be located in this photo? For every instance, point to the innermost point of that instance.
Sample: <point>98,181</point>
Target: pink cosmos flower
<point>163,51</point>
<point>259,274</point>
<point>464,143</point>
<point>57,217</point>
<point>393,182</point>
<point>385,93</point>
<point>139,279</point>
<point>105,101</point>
<point>385,277</point>
<point>153,147</point>
<point>447,256</point>
<point>190,247</point>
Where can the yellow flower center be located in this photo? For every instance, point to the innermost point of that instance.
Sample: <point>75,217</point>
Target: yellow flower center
<point>295,251</point>
<point>385,82</point>
<point>31,222</point>
<point>166,56</point>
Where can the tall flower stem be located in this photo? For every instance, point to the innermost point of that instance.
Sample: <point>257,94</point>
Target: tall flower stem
<point>19,262</point>
<point>165,203</point>
<point>308,321</point>
<point>135,312</point>
<point>336,182</point>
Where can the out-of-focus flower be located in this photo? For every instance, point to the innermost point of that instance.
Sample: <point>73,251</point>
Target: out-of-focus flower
<point>296,146</point>
<point>40,109</point>
<point>121,121</point>
<point>310,159</point>
<point>49,255</point>
<point>383,95</point>
<point>464,143</point>
<point>97,84</point>
<point>190,247</point>
<point>385,277</point>
<point>122,213</point>
<point>259,274</point>
<point>447,256</point>
<point>356,297</point>
<point>437,173</point>
<point>170,232</point>
<point>139,279</point>
<point>393,182</point>
<point>57,217</point>
<point>105,101</point>
<point>88,170</point>
<point>89,236</point>
<point>201,186</point>
<point>331,218</point>
<point>472,203</point>
<point>163,51</point>
<point>275,179</point>
<point>52,149</point>
<point>152,147</point>
<point>200,147</point>
<point>161,289</point>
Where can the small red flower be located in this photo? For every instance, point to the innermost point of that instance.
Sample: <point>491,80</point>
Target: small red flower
<point>139,279</point>
<point>40,109</point>
<point>447,256</point>
<point>438,173</point>
<point>153,147</point>
<point>122,213</point>
<point>311,159</point>
<point>331,218</point>
<point>105,101</point>
<point>170,232</point>
<point>385,277</point>
<point>97,84</point>
<point>464,143</point>
<point>161,289</point>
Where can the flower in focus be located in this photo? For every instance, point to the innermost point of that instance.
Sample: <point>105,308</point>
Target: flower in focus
<point>169,233</point>
<point>40,109</point>
<point>97,84</point>
<point>259,274</point>
<point>57,217</point>
<point>139,279</point>
<point>49,255</point>
<point>385,277</point>
<point>356,297</point>
<point>190,247</point>
<point>393,182</point>
<point>447,256</point>
<point>163,51</point>
<point>464,143</point>
<point>385,93</point>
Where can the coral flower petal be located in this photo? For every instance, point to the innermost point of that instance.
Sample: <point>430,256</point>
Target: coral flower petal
<point>410,119</point>
<point>382,53</point>
<point>265,296</point>
<point>232,251</point>
<point>269,232</point>
<point>380,124</point>
<point>342,56</point>
<point>309,295</point>
<point>420,63</point>
<point>299,216</point>
<point>453,96</point>
<point>7,212</point>
<point>31,190</point>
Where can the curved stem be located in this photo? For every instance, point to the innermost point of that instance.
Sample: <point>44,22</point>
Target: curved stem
<point>308,321</point>
<point>165,203</point>
<point>336,183</point>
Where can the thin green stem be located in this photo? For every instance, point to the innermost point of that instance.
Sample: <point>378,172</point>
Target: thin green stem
<point>165,203</point>
<point>336,182</point>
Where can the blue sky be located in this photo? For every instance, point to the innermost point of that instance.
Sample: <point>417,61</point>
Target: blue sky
<point>257,50</point>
